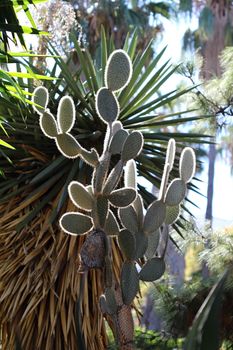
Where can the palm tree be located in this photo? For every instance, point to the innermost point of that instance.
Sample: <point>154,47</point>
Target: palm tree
<point>44,302</point>
<point>213,35</point>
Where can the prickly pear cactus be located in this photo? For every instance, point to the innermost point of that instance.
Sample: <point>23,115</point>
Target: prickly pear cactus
<point>105,210</point>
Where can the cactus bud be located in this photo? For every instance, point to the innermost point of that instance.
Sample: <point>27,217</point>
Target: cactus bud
<point>107,105</point>
<point>48,125</point>
<point>129,282</point>
<point>75,223</point>
<point>132,146</point>
<point>187,164</point>
<point>118,70</point>
<point>154,217</point>
<point>40,98</point>
<point>66,114</point>
<point>80,195</point>
<point>152,270</point>
<point>175,192</point>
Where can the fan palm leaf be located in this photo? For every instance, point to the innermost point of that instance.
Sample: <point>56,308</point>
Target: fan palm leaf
<point>44,302</point>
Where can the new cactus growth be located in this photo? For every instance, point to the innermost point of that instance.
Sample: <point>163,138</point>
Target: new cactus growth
<point>113,209</point>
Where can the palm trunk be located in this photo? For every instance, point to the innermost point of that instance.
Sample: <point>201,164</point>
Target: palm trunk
<point>210,189</point>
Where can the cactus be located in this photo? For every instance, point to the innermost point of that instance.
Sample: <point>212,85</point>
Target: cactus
<point>111,225</point>
<point>75,223</point>
<point>127,244</point>
<point>129,218</point>
<point>175,192</point>
<point>138,230</point>
<point>130,178</point>
<point>118,70</point>
<point>187,164</point>
<point>80,196</point>
<point>48,125</point>
<point>132,146</point>
<point>152,270</point>
<point>107,105</point>
<point>129,282</point>
<point>154,217</point>
<point>40,99</point>
<point>122,197</point>
<point>66,114</point>
<point>68,146</point>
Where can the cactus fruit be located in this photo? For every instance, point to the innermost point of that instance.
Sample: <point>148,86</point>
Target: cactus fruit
<point>152,270</point>
<point>122,197</point>
<point>48,125</point>
<point>75,223</point>
<point>187,164</point>
<point>154,217</point>
<point>129,282</point>
<point>107,106</point>
<point>172,214</point>
<point>175,192</point>
<point>130,178</point>
<point>118,141</point>
<point>80,195</point>
<point>68,146</point>
<point>129,218</point>
<point>118,70</point>
<point>40,99</point>
<point>171,152</point>
<point>66,114</point>
<point>111,225</point>
<point>127,244</point>
<point>132,146</point>
<point>153,242</point>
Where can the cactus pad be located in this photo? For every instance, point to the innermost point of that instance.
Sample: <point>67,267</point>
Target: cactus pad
<point>41,98</point>
<point>110,301</point>
<point>80,195</point>
<point>187,164</point>
<point>175,192</point>
<point>172,214</point>
<point>132,146</point>
<point>118,141</point>
<point>68,146</point>
<point>48,125</point>
<point>129,218</point>
<point>66,114</point>
<point>130,177</point>
<point>107,105</point>
<point>122,197</point>
<point>129,282</point>
<point>154,217</point>
<point>141,244</point>
<point>127,244</point>
<point>171,152</point>
<point>90,157</point>
<point>152,270</point>
<point>139,208</point>
<point>113,178</point>
<point>153,242</point>
<point>75,223</point>
<point>118,70</point>
<point>100,210</point>
<point>111,225</point>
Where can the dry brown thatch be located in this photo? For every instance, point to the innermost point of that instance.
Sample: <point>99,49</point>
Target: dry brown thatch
<point>40,286</point>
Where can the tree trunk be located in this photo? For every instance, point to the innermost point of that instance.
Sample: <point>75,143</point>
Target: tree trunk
<point>210,189</point>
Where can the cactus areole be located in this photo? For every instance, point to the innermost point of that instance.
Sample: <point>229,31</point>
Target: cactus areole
<point>104,209</point>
